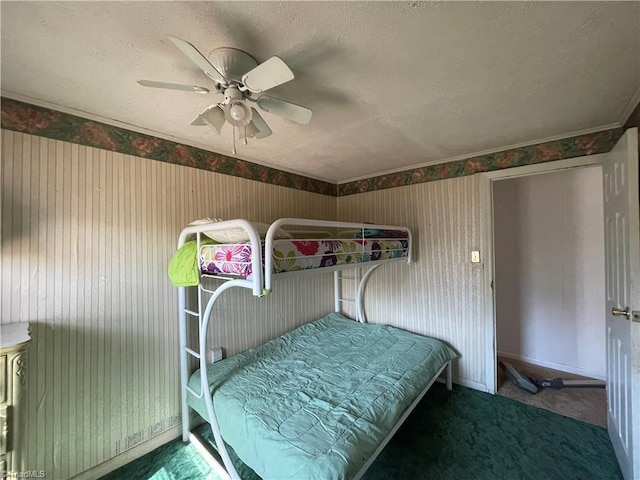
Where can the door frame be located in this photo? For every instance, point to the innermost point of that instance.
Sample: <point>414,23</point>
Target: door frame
<point>486,207</point>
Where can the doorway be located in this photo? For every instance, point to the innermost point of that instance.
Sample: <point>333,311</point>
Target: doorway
<point>486,200</point>
<point>622,274</point>
<point>548,232</point>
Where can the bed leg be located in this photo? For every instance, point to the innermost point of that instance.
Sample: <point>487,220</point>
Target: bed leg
<point>449,376</point>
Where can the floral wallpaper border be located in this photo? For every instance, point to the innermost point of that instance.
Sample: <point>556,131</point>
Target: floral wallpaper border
<point>23,117</point>
<point>26,118</point>
<point>590,144</point>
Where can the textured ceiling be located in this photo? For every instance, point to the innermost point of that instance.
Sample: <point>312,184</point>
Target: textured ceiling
<point>391,84</point>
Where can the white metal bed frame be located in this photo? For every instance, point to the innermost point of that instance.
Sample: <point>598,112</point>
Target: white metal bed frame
<point>260,284</point>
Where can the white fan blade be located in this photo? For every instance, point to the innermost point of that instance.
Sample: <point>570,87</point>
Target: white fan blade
<point>213,117</point>
<point>199,122</point>
<point>173,86</point>
<point>267,75</point>
<point>288,110</point>
<point>197,58</point>
<point>260,124</point>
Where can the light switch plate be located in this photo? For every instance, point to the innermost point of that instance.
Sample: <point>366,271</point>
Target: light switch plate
<point>475,256</point>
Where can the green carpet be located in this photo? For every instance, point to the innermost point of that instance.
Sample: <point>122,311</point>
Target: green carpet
<point>463,434</point>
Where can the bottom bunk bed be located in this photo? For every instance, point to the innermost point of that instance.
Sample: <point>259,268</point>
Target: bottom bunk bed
<point>321,401</point>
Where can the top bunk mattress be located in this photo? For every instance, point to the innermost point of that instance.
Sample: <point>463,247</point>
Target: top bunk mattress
<point>295,255</point>
<point>317,401</point>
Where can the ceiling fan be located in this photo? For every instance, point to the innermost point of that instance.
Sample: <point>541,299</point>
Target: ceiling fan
<point>238,76</point>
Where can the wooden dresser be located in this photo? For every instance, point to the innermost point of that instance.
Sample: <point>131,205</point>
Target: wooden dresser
<point>14,339</point>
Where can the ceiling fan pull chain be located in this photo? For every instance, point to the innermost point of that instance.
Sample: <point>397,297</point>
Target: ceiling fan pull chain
<point>245,135</point>
<point>234,139</point>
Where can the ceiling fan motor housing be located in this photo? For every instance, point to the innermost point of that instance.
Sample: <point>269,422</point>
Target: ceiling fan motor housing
<point>232,93</point>
<point>232,64</point>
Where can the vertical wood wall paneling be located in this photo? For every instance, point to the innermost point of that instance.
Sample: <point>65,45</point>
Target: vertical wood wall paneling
<point>440,294</point>
<point>86,239</point>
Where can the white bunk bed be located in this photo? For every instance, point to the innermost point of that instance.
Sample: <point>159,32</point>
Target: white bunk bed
<point>243,265</point>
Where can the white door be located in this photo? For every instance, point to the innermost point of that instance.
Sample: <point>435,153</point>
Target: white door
<point>622,267</point>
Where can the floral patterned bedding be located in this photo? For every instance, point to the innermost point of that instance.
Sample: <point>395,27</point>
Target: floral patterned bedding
<point>294,255</point>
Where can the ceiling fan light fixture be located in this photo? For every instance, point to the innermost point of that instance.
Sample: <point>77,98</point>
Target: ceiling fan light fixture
<point>249,131</point>
<point>238,75</point>
<point>237,113</point>
<point>214,117</point>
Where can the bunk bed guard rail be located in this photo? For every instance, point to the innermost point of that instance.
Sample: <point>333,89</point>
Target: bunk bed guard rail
<point>257,280</point>
<point>300,222</point>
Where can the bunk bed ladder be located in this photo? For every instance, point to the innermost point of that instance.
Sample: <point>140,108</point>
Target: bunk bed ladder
<point>203,313</point>
<point>193,314</point>
<point>189,350</point>
<point>184,361</point>
<point>184,314</point>
<point>339,280</point>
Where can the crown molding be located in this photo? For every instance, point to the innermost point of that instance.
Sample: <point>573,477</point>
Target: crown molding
<point>634,102</point>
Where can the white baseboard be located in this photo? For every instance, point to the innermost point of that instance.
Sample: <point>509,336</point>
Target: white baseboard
<point>471,384</point>
<point>465,383</point>
<point>130,455</point>
<point>555,366</point>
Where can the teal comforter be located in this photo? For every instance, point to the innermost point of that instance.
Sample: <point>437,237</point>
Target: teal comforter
<point>316,402</point>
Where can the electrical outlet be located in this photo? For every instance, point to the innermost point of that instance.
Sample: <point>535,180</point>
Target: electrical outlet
<point>216,354</point>
<point>475,256</point>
